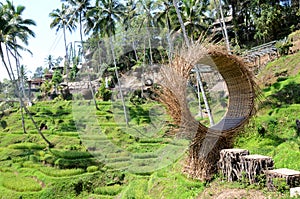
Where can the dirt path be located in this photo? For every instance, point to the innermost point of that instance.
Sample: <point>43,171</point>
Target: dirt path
<point>228,193</point>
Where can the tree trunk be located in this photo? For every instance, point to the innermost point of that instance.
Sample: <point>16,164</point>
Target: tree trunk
<point>255,166</point>
<point>66,64</point>
<point>119,83</point>
<point>225,28</point>
<point>211,120</point>
<point>291,177</point>
<point>89,77</point>
<point>230,165</point>
<point>175,2</point>
<point>21,100</point>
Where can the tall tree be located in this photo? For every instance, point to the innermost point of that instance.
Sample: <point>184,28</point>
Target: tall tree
<point>104,18</point>
<point>49,61</point>
<point>195,17</point>
<point>79,8</point>
<point>182,26</point>
<point>14,28</point>
<point>63,19</point>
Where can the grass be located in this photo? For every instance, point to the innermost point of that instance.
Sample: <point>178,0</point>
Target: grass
<point>27,145</point>
<point>54,172</point>
<point>109,190</point>
<point>19,183</point>
<point>134,165</point>
<point>273,131</point>
<point>70,154</point>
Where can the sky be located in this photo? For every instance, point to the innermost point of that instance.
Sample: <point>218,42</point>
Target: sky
<point>46,41</point>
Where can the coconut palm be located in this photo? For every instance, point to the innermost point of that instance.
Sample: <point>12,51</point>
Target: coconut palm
<point>50,61</point>
<point>63,19</point>
<point>166,15</point>
<point>182,26</point>
<point>14,28</point>
<point>79,9</point>
<point>103,19</point>
<point>130,14</point>
<point>104,16</point>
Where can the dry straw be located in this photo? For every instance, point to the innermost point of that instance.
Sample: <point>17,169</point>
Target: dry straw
<point>206,143</point>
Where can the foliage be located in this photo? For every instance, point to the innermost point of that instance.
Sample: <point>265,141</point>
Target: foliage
<point>73,73</point>
<point>280,184</point>
<point>267,21</point>
<point>71,154</point>
<point>39,72</point>
<point>108,190</point>
<point>57,77</point>
<point>103,92</point>
<point>26,145</point>
<point>92,169</point>
<point>283,46</point>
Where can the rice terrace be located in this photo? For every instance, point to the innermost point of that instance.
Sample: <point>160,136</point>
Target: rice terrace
<point>149,99</point>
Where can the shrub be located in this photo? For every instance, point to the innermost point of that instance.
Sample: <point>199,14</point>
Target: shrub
<point>49,159</point>
<point>34,158</point>
<point>92,169</point>
<point>71,154</point>
<point>104,93</point>
<point>75,163</point>
<point>108,190</point>
<point>280,184</point>
<point>27,145</point>
<point>283,46</point>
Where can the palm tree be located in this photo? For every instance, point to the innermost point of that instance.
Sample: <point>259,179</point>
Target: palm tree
<point>50,61</point>
<point>14,28</point>
<point>220,10</point>
<point>130,14</point>
<point>195,16</point>
<point>166,15</point>
<point>63,19</point>
<point>80,8</point>
<point>103,18</point>
<point>186,39</point>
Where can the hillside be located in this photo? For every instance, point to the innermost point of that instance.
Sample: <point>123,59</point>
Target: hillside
<point>97,156</point>
<point>273,130</point>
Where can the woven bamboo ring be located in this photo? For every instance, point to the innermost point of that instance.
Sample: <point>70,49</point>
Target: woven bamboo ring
<point>241,89</point>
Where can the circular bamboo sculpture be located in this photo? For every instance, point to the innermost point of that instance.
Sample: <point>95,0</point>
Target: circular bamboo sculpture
<point>206,143</point>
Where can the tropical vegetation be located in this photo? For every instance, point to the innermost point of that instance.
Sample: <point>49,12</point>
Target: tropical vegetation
<point>63,148</point>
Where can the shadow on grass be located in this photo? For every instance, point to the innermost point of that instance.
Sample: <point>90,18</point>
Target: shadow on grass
<point>289,94</point>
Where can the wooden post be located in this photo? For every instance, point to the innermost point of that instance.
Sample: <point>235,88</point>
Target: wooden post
<point>230,163</point>
<point>291,177</point>
<point>256,165</point>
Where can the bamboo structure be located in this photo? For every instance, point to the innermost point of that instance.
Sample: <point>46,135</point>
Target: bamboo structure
<point>206,143</point>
